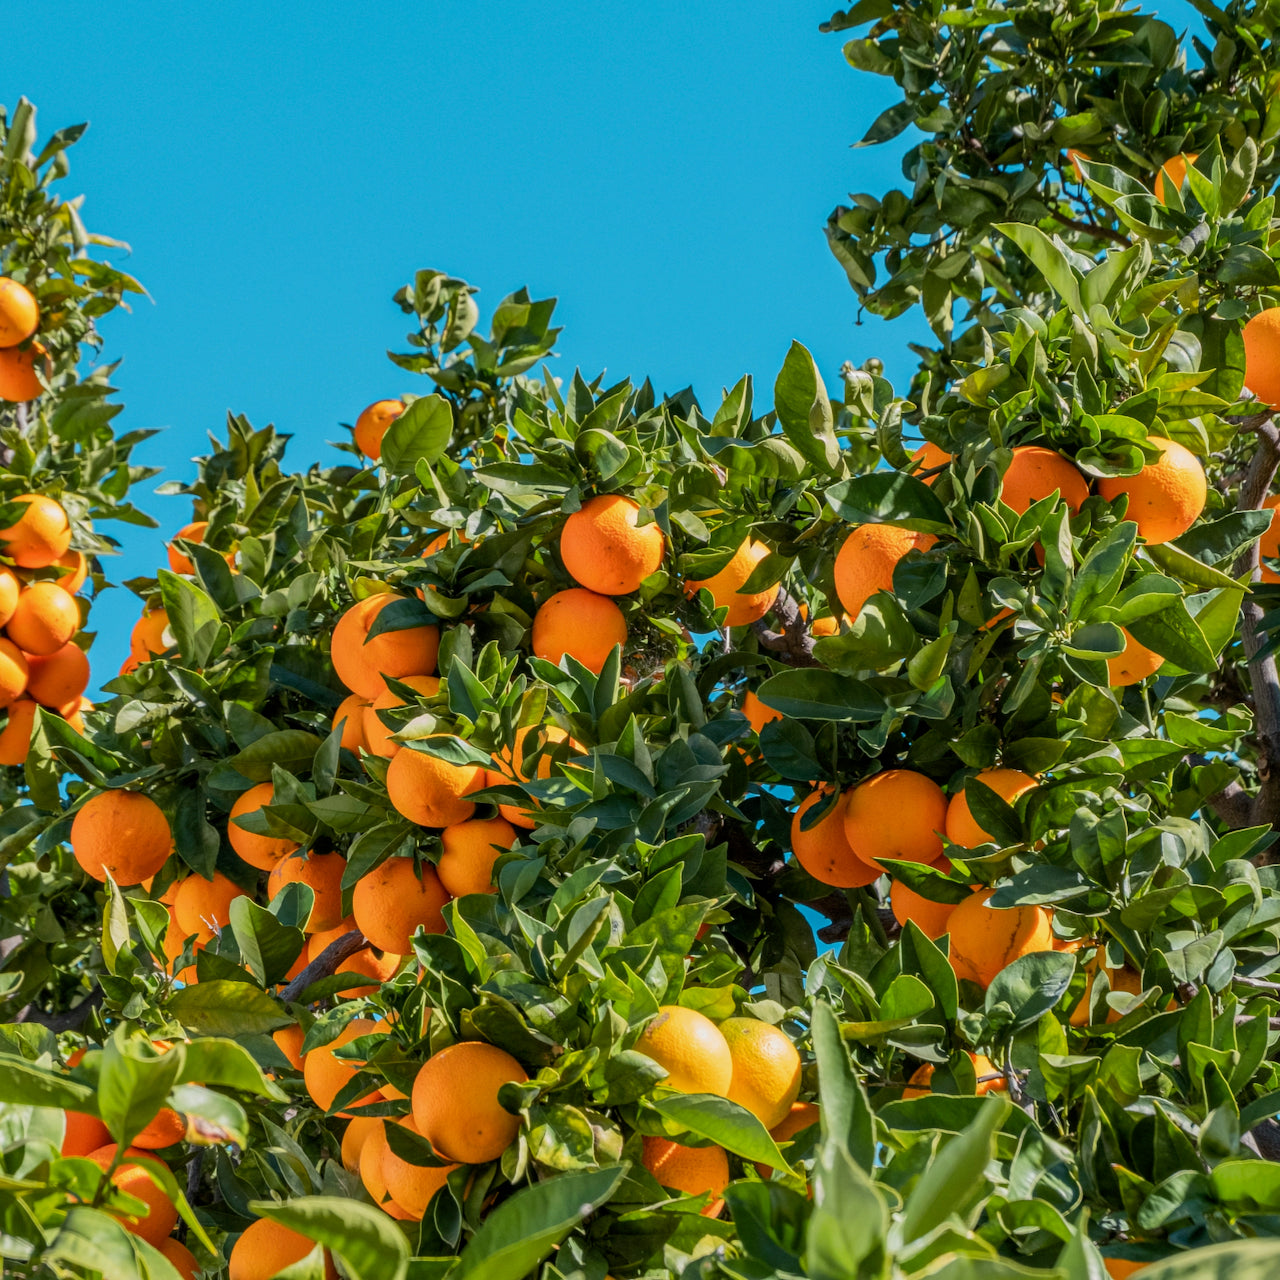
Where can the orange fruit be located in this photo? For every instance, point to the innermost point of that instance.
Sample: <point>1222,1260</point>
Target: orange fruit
<point>371,1153</point>
<point>985,938</point>
<point>76,564</point>
<point>800,1117</point>
<point>824,850</point>
<point>691,1049</point>
<point>19,312</point>
<point>896,813</point>
<point>258,851</point>
<point>919,1084</point>
<point>1075,157</point>
<point>10,588</point>
<point>927,457</point>
<point>604,549</point>
<point>361,663</point>
<point>758,715</point>
<point>1174,170</point>
<point>181,1258</point>
<point>41,535</point>
<point>82,1133</point>
<point>411,1186</point>
<point>265,1248</point>
<point>54,680</point>
<point>372,425</point>
<point>377,737</point>
<point>726,586</point>
<point>45,619</point>
<point>1165,497</point>
<point>932,918</point>
<point>1035,473</point>
<point>203,907</point>
<point>74,716</point>
<point>694,1171</point>
<point>121,832</point>
<point>1125,979</point>
<point>455,1101</point>
<point>766,1069</point>
<point>1122,1268</point>
<point>354,1137</point>
<point>289,1042</point>
<point>131,1177</point>
<point>166,1128</point>
<point>1268,545</point>
<point>822,627</point>
<point>14,672</point>
<point>391,901</point>
<point>150,636</point>
<point>511,768</point>
<point>323,873</point>
<point>470,850</point>
<point>867,558</point>
<point>430,791</point>
<point>15,737</point>
<point>18,381</point>
<point>1133,665</point>
<point>317,941</point>
<point>326,1076</point>
<point>193,532</point>
<point>350,714</point>
<point>580,623</point>
<point>1008,784</point>
<point>1262,357</point>
<point>379,966</point>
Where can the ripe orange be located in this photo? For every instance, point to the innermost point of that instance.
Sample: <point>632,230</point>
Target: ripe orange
<point>470,850</point>
<point>430,791</point>
<point>41,535</point>
<point>1135,664</point>
<point>350,714</point>
<point>1174,170</point>
<point>691,1048</point>
<point>82,1133</point>
<point>985,938</point>
<point>326,1076</point>
<point>45,619</point>
<point>15,737</point>
<point>581,623</point>
<point>379,966</point>
<point>919,1084</point>
<point>121,832</point>
<point>824,850</point>
<point>726,586</point>
<point>14,672</point>
<point>511,769</point>
<point>150,636</point>
<point>391,901</point>
<point>604,549</point>
<point>1035,473</point>
<point>766,1069</point>
<point>693,1170</point>
<point>822,627</point>
<point>76,564</point>
<point>927,457</point>
<point>377,737</point>
<point>411,1186</point>
<point>372,425</point>
<point>19,313</point>
<point>1122,1268</point>
<point>181,1258</point>
<point>896,813</point>
<point>166,1128</point>
<point>1268,545</point>
<point>1008,784</point>
<point>455,1101</point>
<point>361,663</point>
<point>931,918</point>
<point>289,1041</point>
<point>265,1248</point>
<point>10,588</point>
<point>354,1137</point>
<point>867,558</point>
<point>800,1117</point>
<point>54,680</point>
<point>758,715</point>
<point>203,907</point>
<point>18,381</point>
<point>323,873</point>
<point>1165,497</point>
<point>131,1177</point>
<point>1262,357</point>
<point>258,851</point>
<point>193,532</point>
<point>1124,979</point>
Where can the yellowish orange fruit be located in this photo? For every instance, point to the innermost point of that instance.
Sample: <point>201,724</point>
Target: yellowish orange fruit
<point>989,1078</point>
<point>930,917</point>
<point>928,457</point>
<point>605,550</point>
<point>1262,356</point>
<point>1173,171</point>
<point>455,1101</point>
<point>41,535</point>
<point>180,1257</point>
<point>123,833</point>
<point>265,1248</point>
<point>131,1177</point>
<point>151,635</point>
<point>984,939</point>
<point>824,850</point>
<point>392,900</point>
<point>694,1171</point>
<point>46,617</point>
<point>896,813</point>
<point>19,312</point>
<point>258,851</point>
<point>203,907</point>
<point>322,872</point>
<point>691,1048</point>
<point>470,850</point>
<point>581,623</point>
<point>867,558</point>
<point>372,425</point>
<point>18,380</point>
<point>1133,665</point>
<point>54,680</point>
<point>1268,544</point>
<point>350,715</point>
<point>76,564</point>
<point>361,663</point>
<point>10,589</point>
<point>1165,497</point>
<point>1008,784</point>
<point>377,737</point>
<point>430,791</point>
<point>726,586</point>
<point>326,1076</point>
<point>411,1186</point>
<point>15,736</point>
<point>1035,473</point>
<point>766,1069</point>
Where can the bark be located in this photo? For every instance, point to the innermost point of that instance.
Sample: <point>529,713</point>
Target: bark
<point>793,643</point>
<point>325,965</point>
<point>65,1021</point>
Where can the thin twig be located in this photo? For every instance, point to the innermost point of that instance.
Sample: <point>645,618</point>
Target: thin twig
<point>1091,229</point>
<point>325,965</point>
<point>67,1019</point>
<point>794,643</point>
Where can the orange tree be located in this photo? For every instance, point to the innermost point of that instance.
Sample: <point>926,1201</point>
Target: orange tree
<point>456,831</point>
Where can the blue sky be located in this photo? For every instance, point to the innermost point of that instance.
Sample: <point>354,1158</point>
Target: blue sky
<point>280,170</point>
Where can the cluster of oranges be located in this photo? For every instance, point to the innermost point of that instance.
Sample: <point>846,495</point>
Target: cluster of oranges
<point>19,319</point>
<point>40,663</point>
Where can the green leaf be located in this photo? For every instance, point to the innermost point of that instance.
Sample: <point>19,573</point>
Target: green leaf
<point>889,497</point>
<point>101,1245</point>
<point>1031,985</point>
<point>134,1080</point>
<point>1238,1260</point>
<point>1099,577</point>
<point>803,409</point>
<point>1186,568</point>
<point>845,1112</point>
<point>815,694</point>
<point>725,1123</point>
<point>23,1084</point>
<point>421,431</point>
<point>222,1007</point>
<point>193,618</point>
<point>1174,634</point>
<point>215,1060</point>
<point>291,749</point>
<point>267,947</point>
<point>1049,260</point>
<point>369,1243</point>
<point>522,1231</point>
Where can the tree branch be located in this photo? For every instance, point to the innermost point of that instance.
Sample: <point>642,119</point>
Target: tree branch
<point>1091,229</point>
<point>325,965</point>
<point>66,1020</point>
<point>794,642</point>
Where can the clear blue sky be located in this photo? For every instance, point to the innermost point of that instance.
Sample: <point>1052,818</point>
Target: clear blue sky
<point>664,169</point>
